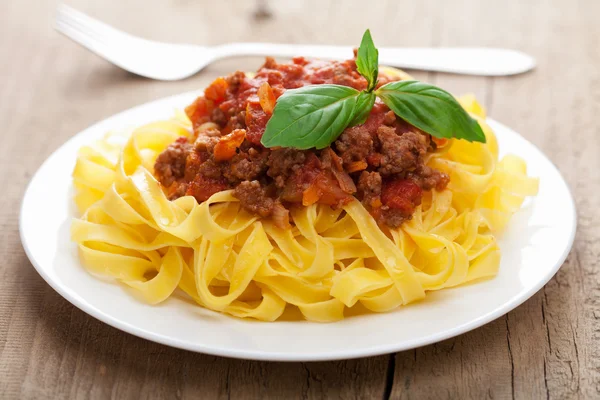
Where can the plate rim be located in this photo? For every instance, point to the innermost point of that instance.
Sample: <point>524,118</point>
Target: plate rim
<point>364,351</point>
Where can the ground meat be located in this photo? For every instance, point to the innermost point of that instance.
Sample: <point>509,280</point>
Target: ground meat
<point>428,178</point>
<point>253,197</point>
<point>247,166</point>
<point>236,123</point>
<point>176,190</point>
<point>380,162</point>
<point>206,141</point>
<point>330,160</point>
<point>192,164</point>
<point>238,120</point>
<point>211,169</point>
<point>283,163</point>
<point>369,186</point>
<point>242,118</point>
<point>354,144</point>
<point>391,217</point>
<point>218,117</point>
<point>234,80</point>
<point>170,164</point>
<point>400,153</point>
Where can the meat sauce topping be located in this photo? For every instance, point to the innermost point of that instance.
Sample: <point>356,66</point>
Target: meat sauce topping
<point>380,162</point>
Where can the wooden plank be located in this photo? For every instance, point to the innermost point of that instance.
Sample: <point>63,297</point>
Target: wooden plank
<point>64,352</point>
<point>548,347</point>
<point>550,117</point>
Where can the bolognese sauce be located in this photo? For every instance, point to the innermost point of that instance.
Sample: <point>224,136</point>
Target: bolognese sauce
<point>381,162</point>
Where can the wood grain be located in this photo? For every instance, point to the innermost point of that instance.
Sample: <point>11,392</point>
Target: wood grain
<point>547,348</point>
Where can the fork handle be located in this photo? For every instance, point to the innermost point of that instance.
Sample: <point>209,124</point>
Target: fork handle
<point>458,60</point>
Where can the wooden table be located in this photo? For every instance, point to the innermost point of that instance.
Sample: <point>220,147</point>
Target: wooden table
<point>51,88</point>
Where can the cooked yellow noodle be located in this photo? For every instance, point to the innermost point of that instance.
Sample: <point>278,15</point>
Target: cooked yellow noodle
<point>230,261</point>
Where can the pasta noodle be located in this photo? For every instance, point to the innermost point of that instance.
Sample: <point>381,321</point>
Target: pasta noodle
<point>231,261</point>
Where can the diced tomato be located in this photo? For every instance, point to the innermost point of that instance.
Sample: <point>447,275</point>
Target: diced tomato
<point>217,90</point>
<point>299,60</point>
<point>311,195</point>
<point>325,190</point>
<point>198,112</point>
<point>314,185</point>
<point>292,71</point>
<point>274,77</point>
<point>256,121</point>
<point>266,98</point>
<point>295,187</point>
<point>331,193</point>
<point>374,159</point>
<point>226,148</point>
<point>356,166</point>
<point>376,212</point>
<point>401,194</point>
<point>228,105</point>
<point>278,91</point>
<point>202,187</point>
<point>376,117</point>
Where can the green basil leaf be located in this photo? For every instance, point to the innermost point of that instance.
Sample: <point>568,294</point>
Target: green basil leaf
<point>367,60</point>
<point>311,116</point>
<point>364,104</point>
<point>430,109</point>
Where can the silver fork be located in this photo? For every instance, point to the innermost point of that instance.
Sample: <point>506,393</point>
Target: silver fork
<point>169,62</point>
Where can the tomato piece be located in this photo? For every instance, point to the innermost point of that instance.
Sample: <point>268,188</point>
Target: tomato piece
<point>217,90</point>
<point>256,121</point>
<point>401,194</point>
<point>226,148</point>
<point>374,159</point>
<point>356,166</point>
<point>331,193</point>
<point>376,118</point>
<point>202,187</point>
<point>198,112</point>
<point>266,98</point>
<point>311,195</point>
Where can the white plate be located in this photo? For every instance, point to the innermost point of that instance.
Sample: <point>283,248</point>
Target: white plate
<point>534,246</point>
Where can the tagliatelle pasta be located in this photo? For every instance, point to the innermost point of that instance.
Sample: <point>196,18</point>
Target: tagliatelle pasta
<point>235,262</point>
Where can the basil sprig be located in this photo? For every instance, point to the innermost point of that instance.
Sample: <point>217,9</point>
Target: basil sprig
<point>364,104</point>
<point>367,60</point>
<point>430,109</point>
<point>315,115</point>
